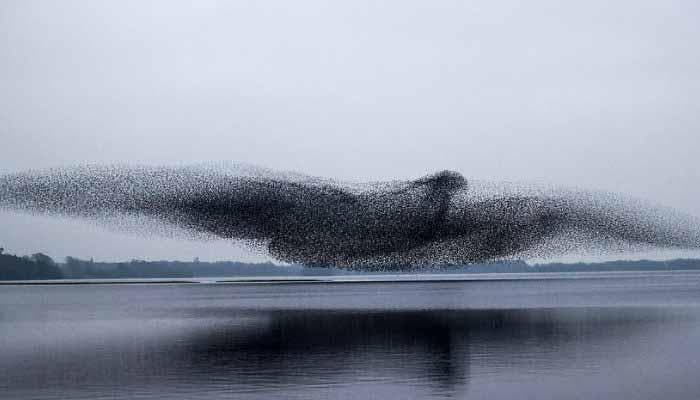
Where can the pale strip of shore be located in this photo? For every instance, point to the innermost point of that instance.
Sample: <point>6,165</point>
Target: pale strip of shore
<point>384,278</point>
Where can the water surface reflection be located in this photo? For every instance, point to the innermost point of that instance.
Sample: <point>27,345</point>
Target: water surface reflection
<point>167,349</point>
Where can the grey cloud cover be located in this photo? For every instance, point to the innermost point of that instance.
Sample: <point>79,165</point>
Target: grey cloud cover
<point>597,94</point>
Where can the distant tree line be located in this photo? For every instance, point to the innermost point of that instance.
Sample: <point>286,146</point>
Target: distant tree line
<point>41,266</point>
<point>36,266</point>
<point>75,268</point>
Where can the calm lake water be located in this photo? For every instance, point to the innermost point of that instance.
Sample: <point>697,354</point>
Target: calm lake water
<point>611,336</point>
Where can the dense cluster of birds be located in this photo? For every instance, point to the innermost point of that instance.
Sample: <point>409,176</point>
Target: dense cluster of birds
<point>440,219</point>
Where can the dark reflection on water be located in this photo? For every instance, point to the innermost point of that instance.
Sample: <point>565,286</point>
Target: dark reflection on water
<point>431,348</point>
<point>70,344</point>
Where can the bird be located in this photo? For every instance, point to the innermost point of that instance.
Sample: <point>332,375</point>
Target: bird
<point>434,220</point>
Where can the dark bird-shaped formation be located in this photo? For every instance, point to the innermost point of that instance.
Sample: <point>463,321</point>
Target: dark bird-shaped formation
<point>440,219</point>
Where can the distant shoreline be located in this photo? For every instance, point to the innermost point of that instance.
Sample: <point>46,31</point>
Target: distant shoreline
<point>42,267</point>
<point>362,279</point>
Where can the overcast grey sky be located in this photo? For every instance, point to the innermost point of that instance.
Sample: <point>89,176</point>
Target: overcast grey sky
<point>595,94</point>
